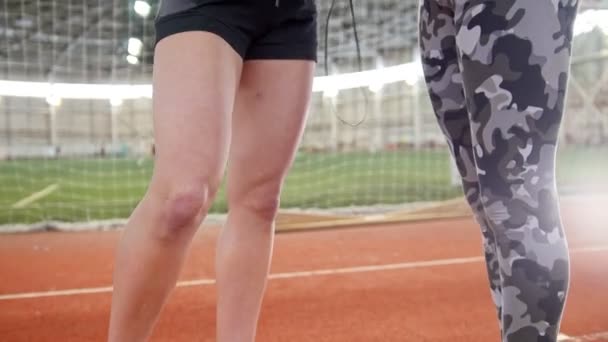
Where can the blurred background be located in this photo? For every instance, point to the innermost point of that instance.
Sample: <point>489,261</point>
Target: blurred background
<point>76,153</point>
<point>76,138</point>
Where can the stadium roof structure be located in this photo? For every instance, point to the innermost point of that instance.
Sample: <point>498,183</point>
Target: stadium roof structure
<point>88,41</point>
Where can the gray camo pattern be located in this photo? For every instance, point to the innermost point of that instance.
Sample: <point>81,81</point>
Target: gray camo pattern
<point>496,72</point>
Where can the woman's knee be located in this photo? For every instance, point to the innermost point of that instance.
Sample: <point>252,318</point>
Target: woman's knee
<point>526,221</point>
<point>183,207</point>
<point>180,208</point>
<point>261,200</point>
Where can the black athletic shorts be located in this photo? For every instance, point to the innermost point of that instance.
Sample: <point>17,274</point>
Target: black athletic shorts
<point>256,29</point>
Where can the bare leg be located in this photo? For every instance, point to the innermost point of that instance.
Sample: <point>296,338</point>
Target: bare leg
<point>195,79</point>
<point>267,128</point>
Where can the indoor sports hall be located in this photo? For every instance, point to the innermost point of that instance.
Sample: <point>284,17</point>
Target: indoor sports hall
<point>374,239</point>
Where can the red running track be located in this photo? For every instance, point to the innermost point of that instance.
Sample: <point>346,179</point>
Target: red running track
<point>425,282</point>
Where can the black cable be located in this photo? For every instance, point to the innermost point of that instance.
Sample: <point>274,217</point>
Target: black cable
<point>329,12</point>
<point>353,18</point>
<point>359,58</point>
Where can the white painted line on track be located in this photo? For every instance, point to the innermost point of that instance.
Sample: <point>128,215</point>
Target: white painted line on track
<point>287,275</point>
<point>374,268</point>
<point>601,336</point>
<point>57,293</point>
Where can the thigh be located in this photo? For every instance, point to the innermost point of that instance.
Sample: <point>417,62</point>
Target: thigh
<point>439,57</point>
<point>515,63</point>
<point>270,112</point>
<point>440,60</point>
<point>196,75</point>
<point>291,32</point>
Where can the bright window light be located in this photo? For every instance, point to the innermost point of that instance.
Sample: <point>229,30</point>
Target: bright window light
<point>330,86</point>
<point>588,20</point>
<point>132,59</point>
<point>142,8</point>
<point>412,79</point>
<point>368,78</point>
<point>115,101</point>
<point>74,90</point>
<point>331,93</point>
<point>54,101</point>
<point>135,46</point>
<point>376,88</point>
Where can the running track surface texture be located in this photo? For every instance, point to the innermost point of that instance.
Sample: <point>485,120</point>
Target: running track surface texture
<point>421,281</point>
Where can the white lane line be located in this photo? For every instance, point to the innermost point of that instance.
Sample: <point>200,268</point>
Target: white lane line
<point>287,275</point>
<point>57,293</point>
<point>590,249</point>
<point>35,196</point>
<point>601,336</point>
<point>374,268</point>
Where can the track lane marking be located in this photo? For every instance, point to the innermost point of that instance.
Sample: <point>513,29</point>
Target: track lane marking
<point>592,337</point>
<point>287,275</point>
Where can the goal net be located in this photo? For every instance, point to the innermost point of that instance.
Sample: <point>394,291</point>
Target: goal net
<point>76,140</point>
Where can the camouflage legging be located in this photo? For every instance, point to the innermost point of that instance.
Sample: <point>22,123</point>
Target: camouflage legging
<point>496,72</point>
